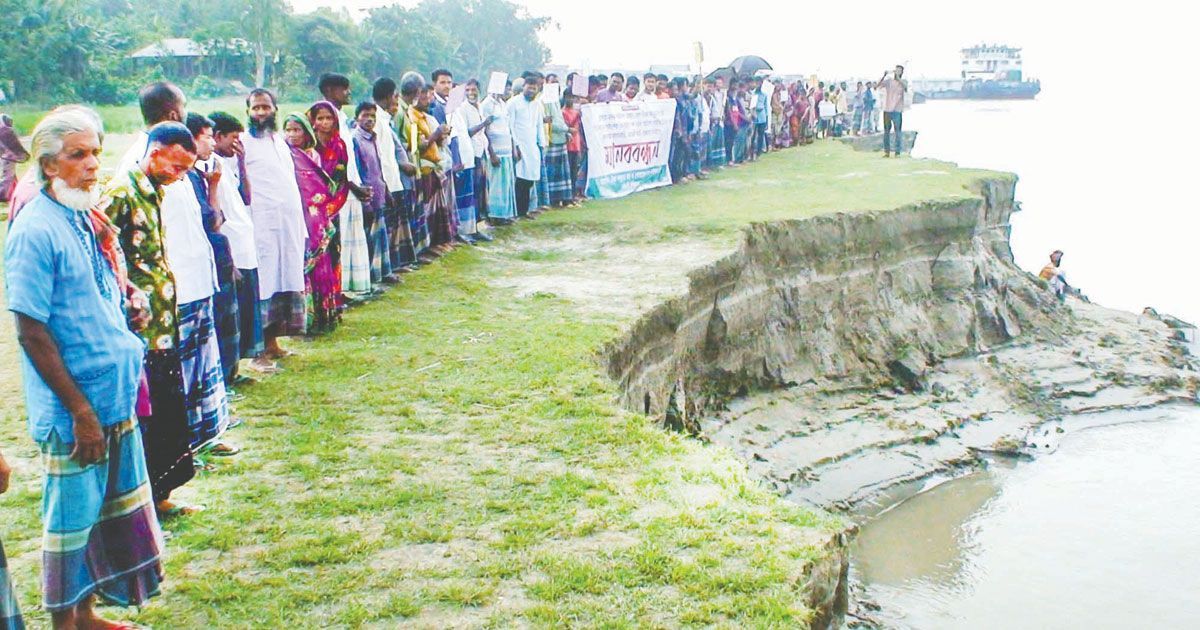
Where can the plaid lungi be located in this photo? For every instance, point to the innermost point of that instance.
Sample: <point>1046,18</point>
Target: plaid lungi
<point>716,146</point>
<point>101,534</point>
<point>375,220</point>
<point>481,189</point>
<point>10,614</point>
<point>225,308</point>
<point>502,195</point>
<point>557,171</point>
<point>434,189</point>
<point>283,313</point>
<point>355,257</point>
<point>250,333</point>
<point>699,145</point>
<point>464,200</point>
<point>399,217</point>
<point>203,384</point>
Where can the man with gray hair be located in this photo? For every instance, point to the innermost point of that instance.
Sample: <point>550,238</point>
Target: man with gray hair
<point>82,366</point>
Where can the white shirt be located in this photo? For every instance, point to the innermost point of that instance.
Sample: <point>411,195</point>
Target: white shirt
<point>386,142</point>
<point>525,124</point>
<point>458,127</point>
<point>238,226</point>
<point>471,115</point>
<point>499,133</point>
<point>278,214</point>
<point>187,249</point>
<point>643,96</point>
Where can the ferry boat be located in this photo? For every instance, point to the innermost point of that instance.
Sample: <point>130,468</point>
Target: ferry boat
<point>989,71</point>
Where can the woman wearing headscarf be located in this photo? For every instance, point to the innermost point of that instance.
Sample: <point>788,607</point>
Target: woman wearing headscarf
<point>322,193</point>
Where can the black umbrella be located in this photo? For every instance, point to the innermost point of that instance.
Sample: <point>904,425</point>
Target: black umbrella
<point>749,64</point>
<point>726,73</point>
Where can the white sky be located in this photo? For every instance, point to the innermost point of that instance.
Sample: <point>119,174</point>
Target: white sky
<point>858,37</point>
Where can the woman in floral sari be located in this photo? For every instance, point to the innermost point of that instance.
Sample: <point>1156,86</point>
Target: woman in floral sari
<point>322,197</point>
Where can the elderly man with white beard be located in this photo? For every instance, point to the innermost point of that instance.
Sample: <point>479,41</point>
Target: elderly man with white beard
<point>82,366</point>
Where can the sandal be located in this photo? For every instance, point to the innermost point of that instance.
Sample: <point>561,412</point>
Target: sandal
<point>175,510</point>
<point>222,449</point>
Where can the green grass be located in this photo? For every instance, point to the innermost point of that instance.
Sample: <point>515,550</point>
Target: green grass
<point>453,456</point>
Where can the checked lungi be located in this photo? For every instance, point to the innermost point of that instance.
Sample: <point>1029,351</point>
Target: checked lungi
<point>354,258</point>
<point>225,309</point>
<point>434,188</point>
<point>557,172</point>
<point>540,198</point>
<point>166,436</point>
<point>464,201</point>
<point>398,217</point>
<point>502,196</point>
<point>10,614</point>
<point>101,535</point>
<point>203,386</point>
<point>250,325</point>
<point>716,147</point>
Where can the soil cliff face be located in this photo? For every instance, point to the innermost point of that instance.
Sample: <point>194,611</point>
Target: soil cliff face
<point>860,299</point>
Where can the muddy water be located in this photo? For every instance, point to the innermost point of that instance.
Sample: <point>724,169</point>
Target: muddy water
<point>1102,533</point>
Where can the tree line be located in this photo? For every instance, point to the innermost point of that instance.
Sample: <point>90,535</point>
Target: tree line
<point>78,50</point>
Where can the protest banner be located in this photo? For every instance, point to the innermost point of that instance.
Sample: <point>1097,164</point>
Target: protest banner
<point>628,146</point>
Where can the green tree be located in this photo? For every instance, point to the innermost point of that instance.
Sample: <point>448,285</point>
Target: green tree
<point>492,34</point>
<point>398,39</point>
<point>326,42</point>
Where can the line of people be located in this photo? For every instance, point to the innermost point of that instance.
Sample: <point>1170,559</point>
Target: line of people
<point>139,301</point>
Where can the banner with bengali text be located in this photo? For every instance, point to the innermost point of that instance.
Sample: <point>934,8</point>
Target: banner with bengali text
<point>628,146</point>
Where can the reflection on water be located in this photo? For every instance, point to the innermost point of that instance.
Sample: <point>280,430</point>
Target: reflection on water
<point>1104,533</point>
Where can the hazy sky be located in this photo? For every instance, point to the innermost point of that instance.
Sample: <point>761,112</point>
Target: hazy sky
<point>865,36</point>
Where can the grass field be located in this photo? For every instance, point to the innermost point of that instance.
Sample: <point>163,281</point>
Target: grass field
<point>453,455</point>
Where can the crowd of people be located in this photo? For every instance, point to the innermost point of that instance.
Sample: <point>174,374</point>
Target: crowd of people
<point>139,301</point>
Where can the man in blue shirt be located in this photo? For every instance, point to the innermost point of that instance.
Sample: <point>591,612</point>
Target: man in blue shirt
<point>82,367</point>
<point>762,116</point>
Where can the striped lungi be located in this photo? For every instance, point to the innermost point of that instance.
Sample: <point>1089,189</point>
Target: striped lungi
<point>10,614</point>
<point>101,535</point>
<point>355,258</point>
<point>557,171</point>
<point>502,192</point>
<point>464,200</point>
<point>203,385</point>
<point>399,218</point>
<point>698,147</point>
<point>481,189</point>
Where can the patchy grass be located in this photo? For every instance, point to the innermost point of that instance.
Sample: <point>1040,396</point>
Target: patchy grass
<point>453,456</point>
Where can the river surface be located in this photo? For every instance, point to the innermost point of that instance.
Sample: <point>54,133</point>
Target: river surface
<point>1105,531</point>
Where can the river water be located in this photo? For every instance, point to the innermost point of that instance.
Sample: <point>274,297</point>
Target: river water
<point>1105,531</point>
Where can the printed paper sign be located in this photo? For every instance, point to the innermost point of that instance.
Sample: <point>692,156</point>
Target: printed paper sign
<point>551,92</point>
<point>579,85</point>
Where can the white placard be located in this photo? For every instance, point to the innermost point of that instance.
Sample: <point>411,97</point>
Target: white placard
<point>496,83</point>
<point>579,85</point>
<point>551,92</point>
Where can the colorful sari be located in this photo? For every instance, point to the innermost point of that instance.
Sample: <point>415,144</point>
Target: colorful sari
<point>322,197</point>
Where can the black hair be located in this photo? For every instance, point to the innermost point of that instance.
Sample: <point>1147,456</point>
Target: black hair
<point>224,123</point>
<point>383,88</point>
<point>632,81</point>
<point>662,78</point>
<point>551,75</point>
<point>617,74</point>
<point>474,82</point>
<point>365,105</point>
<point>261,92</point>
<point>650,75</point>
<point>440,72</point>
<point>332,80</point>
<point>198,122</point>
<point>171,133</point>
<point>532,74</point>
<point>157,100</point>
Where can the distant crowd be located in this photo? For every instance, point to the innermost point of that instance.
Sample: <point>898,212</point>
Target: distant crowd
<point>144,301</point>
